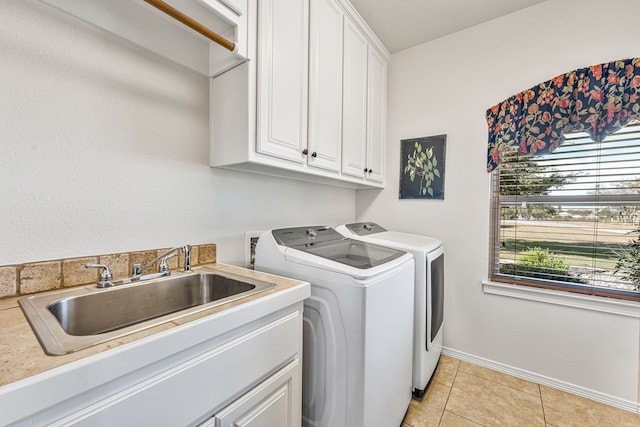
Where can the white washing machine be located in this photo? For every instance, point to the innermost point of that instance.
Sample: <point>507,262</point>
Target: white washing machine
<point>358,324</point>
<point>429,292</point>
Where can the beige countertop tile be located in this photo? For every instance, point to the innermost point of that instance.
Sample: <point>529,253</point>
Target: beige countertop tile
<point>22,356</point>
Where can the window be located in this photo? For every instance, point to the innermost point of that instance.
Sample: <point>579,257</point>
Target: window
<point>570,220</point>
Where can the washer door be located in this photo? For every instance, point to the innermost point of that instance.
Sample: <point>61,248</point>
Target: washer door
<point>353,253</point>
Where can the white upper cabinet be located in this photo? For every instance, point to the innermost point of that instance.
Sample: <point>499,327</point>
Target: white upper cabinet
<point>376,116</point>
<point>354,128</point>
<point>298,92</point>
<point>283,60</point>
<point>325,84</point>
<point>300,107</point>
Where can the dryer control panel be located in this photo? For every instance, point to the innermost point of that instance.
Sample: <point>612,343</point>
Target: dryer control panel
<point>365,228</point>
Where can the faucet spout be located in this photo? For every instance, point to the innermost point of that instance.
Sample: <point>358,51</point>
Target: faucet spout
<point>186,249</point>
<point>163,269</point>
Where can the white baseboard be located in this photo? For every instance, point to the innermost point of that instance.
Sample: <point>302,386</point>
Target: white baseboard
<point>597,396</point>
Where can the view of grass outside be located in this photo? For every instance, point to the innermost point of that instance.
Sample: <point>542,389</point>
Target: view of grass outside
<point>571,241</point>
<point>572,216</point>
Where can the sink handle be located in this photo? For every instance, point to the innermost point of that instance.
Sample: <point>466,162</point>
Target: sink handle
<point>163,267</point>
<point>105,274</point>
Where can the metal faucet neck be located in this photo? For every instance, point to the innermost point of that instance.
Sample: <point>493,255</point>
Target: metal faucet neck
<point>138,269</point>
<point>186,249</point>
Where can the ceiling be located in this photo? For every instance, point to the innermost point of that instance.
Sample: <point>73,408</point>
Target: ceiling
<point>402,24</point>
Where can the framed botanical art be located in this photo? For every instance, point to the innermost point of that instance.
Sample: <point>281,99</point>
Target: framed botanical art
<point>422,167</point>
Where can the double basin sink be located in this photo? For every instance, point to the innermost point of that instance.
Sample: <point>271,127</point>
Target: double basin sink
<point>69,320</point>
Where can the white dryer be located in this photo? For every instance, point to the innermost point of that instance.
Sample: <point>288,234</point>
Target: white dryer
<point>358,324</point>
<point>429,292</point>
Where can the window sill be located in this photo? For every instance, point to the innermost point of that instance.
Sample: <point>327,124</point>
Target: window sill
<point>568,299</point>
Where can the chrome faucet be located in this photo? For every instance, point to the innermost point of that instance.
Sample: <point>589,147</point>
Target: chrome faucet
<point>163,268</point>
<point>106,278</point>
<point>105,275</point>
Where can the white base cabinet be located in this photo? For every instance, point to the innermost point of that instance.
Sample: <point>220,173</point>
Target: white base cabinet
<point>239,367</point>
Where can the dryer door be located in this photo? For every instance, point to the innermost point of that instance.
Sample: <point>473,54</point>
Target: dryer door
<point>435,270</point>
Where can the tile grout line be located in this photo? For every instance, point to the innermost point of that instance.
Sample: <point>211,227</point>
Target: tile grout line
<point>544,414</point>
<point>539,396</point>
<point>449,395</point>
<point>504,385</point>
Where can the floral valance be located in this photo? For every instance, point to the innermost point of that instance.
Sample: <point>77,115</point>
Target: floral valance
<point>599,100</point>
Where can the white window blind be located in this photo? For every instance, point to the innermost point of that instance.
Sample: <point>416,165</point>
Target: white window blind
<point>571,219</point>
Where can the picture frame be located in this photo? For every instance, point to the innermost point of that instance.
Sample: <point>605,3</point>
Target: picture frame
<point>422,167</point>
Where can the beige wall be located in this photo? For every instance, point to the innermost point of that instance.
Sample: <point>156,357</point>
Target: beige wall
<point>445,87</point>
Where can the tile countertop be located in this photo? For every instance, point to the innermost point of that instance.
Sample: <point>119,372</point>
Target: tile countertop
<point>21,355</point>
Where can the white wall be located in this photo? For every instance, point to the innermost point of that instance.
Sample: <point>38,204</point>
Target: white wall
<point>104,148</point>
<point>445,87</point>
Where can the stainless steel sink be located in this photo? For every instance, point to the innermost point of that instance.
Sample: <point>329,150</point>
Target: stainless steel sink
<point>69,320</point>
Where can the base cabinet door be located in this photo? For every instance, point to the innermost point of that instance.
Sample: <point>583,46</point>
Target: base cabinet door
<point>275,402</point>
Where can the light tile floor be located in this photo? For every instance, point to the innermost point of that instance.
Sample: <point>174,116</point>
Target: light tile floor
<point>461,394</point>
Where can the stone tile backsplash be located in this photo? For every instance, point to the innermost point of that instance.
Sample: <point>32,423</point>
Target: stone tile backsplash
<point>8,281</point>
<point>29,278</point>
<point>74,271</point>
<point>39,277</point>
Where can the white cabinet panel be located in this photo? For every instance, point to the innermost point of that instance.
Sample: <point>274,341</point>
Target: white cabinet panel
<point>325,85</point>
<point>275,402</point>
<point>283,30</point>
<point>354,128</point>
<point>376,117</point>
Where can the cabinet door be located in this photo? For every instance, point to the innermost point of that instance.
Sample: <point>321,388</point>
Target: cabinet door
<point>325,85</point>
<point>283,34</point>
<point>275,402</point>
<point>376,116</point>
<point>354,128</point>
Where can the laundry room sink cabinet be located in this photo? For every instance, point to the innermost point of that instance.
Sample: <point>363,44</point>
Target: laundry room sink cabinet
<point>311,103</point>
<point>238,365</point>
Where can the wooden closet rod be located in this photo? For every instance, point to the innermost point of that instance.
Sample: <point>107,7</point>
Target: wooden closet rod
<point>194,25</point>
